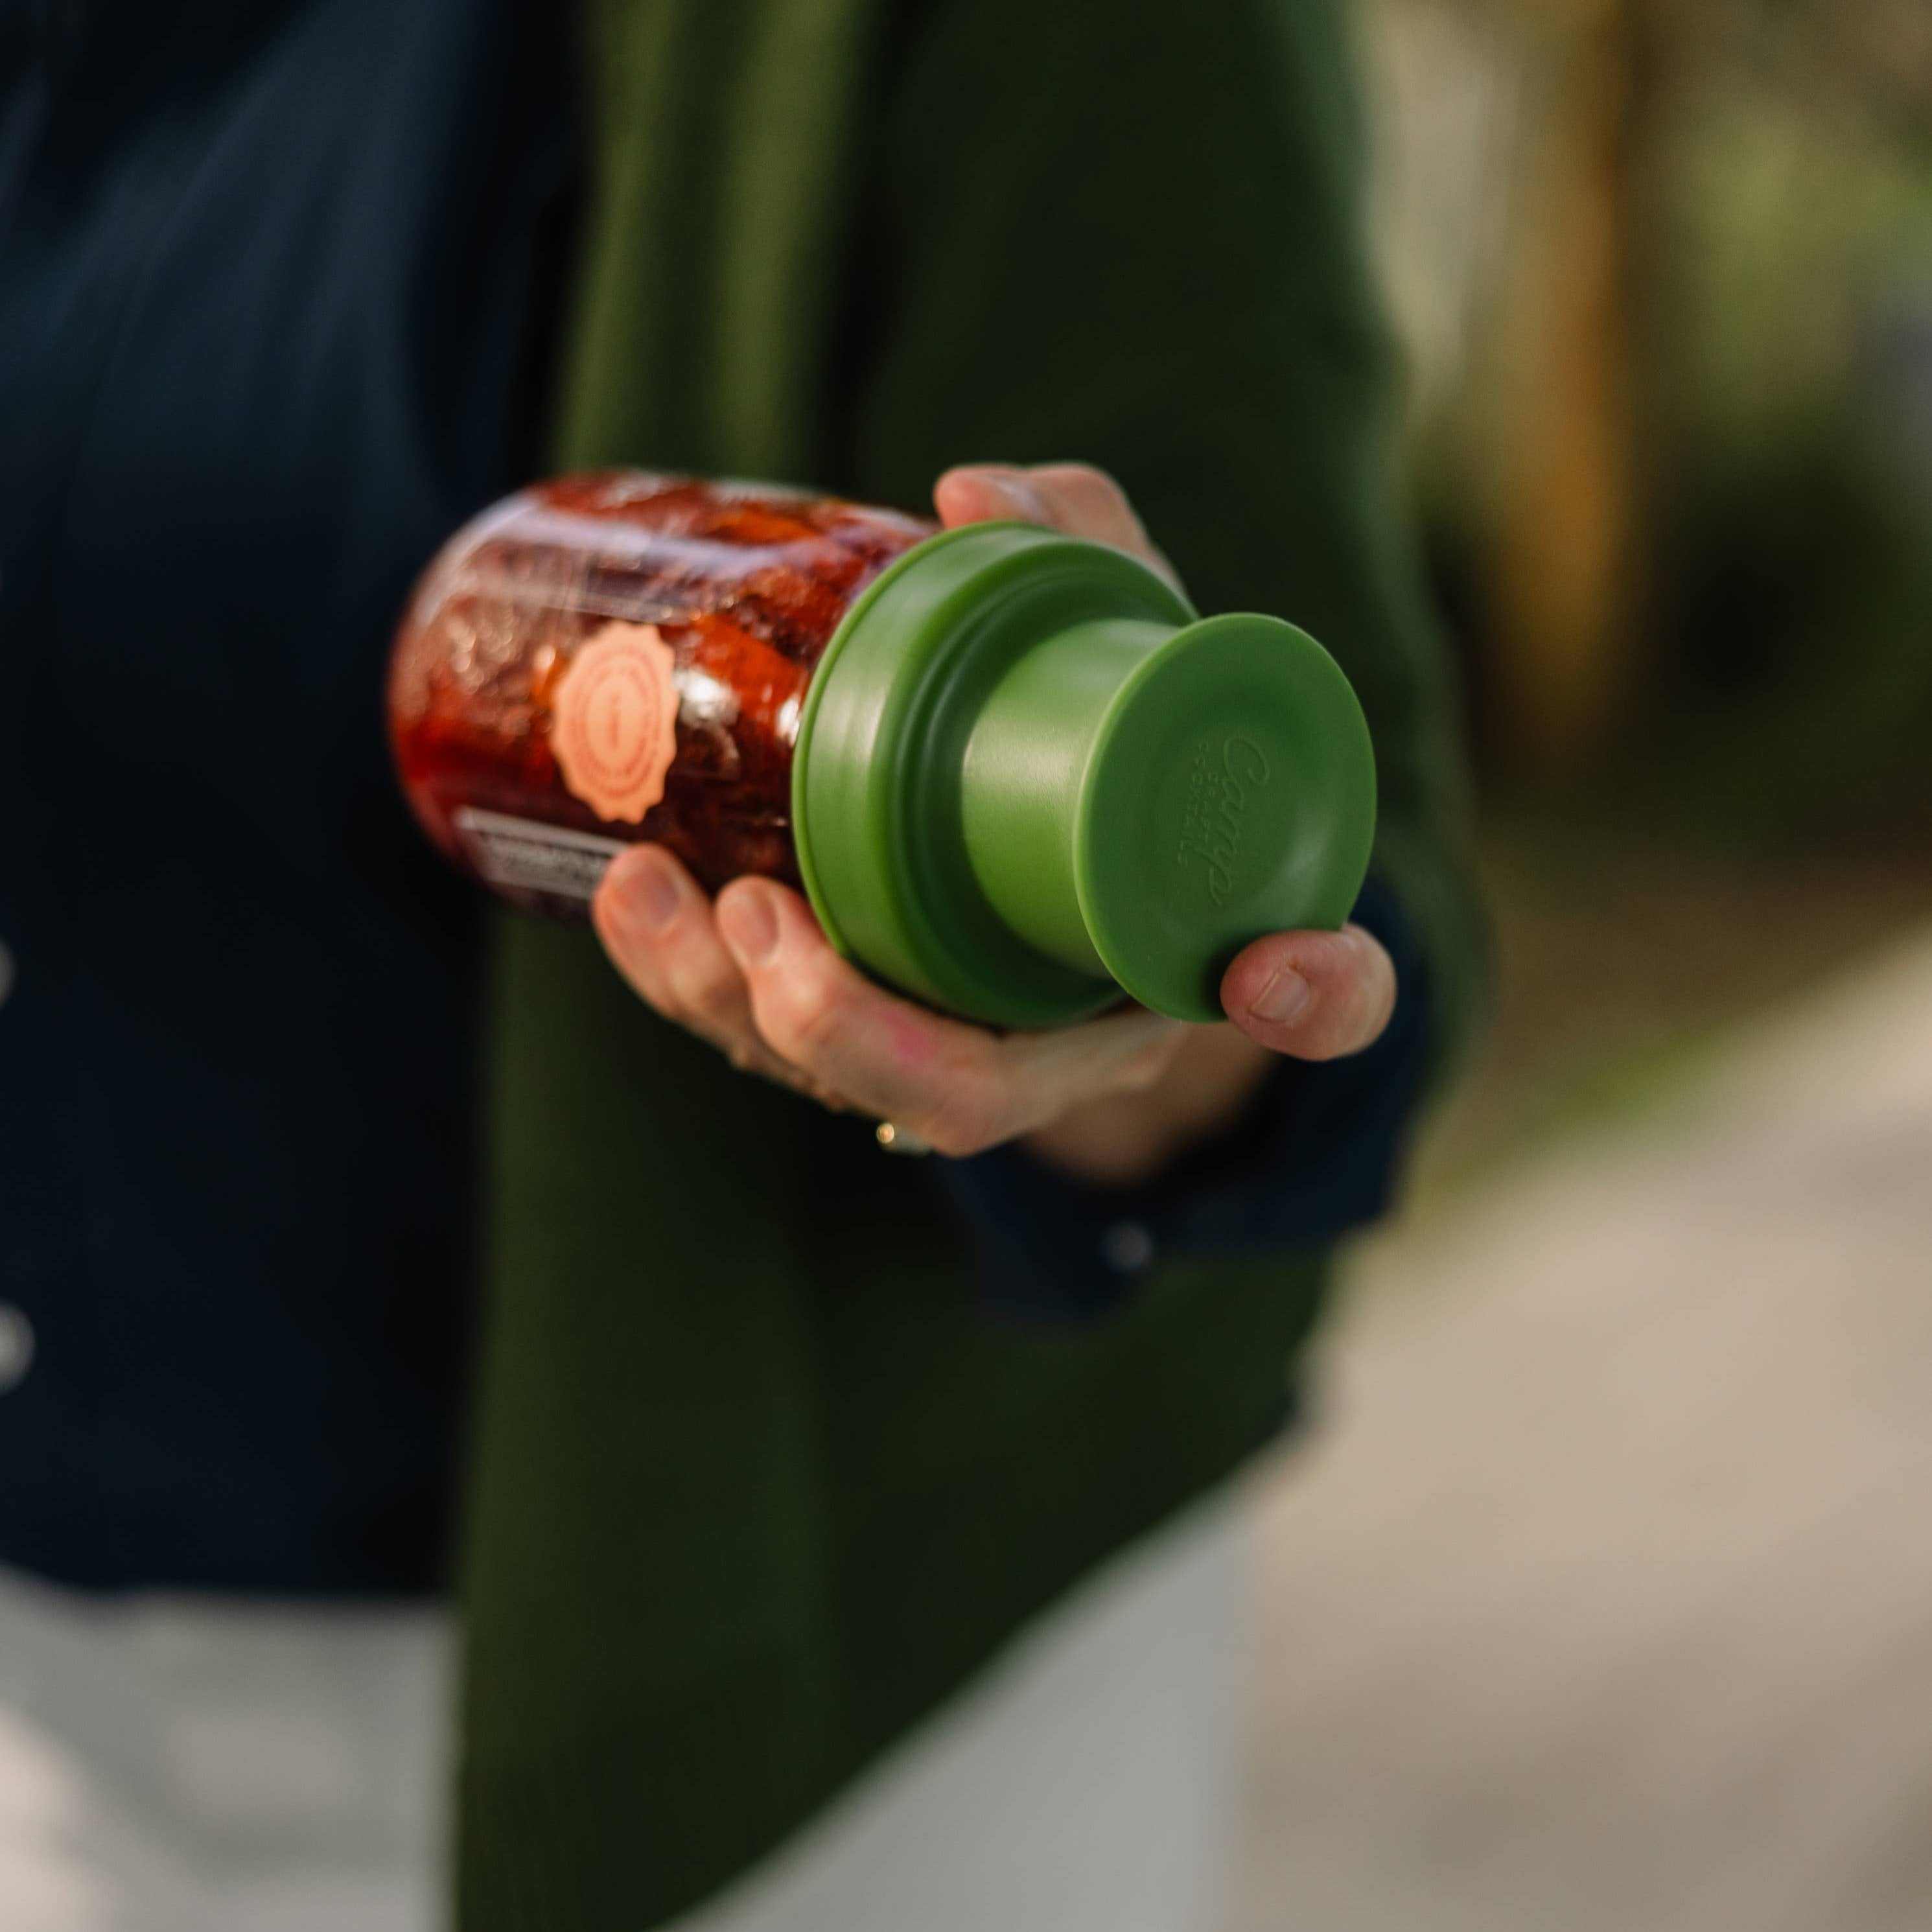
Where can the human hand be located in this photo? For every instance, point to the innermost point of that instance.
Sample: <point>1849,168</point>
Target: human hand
<point>1112,1099</point>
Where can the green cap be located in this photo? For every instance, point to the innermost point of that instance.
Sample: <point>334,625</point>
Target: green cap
<point>1030,777</point>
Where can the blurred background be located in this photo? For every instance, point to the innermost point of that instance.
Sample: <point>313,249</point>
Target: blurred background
<point>1604,1597</point>
<point>1664,269</point>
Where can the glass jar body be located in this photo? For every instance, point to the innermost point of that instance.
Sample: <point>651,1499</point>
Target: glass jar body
<point>615,657</point>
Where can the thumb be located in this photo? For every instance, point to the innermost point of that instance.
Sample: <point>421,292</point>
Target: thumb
<point>1312,995</point>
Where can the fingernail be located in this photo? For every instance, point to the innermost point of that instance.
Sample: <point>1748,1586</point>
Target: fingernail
<point>1283,998</point>
<point>651,894</point>
<point>750,925</point>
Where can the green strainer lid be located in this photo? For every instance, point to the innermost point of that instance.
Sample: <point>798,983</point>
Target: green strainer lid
<point>1029,778</point>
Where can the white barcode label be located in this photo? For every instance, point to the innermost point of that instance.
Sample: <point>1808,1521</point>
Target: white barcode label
<point>531,857</point>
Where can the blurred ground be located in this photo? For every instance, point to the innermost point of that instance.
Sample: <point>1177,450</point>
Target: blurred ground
<point>1604,1600</point>
<point>1628,953</point>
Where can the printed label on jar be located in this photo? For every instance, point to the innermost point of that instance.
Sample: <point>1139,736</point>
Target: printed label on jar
<point>614,729</point>
<point>534,858</point>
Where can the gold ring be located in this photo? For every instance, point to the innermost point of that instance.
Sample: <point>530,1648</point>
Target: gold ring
<point>896,1140</point>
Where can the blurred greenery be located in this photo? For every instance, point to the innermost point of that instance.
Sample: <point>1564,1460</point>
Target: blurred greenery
<point>1663,270</point>
<point>1791,395</point>
<point>1692,252</point>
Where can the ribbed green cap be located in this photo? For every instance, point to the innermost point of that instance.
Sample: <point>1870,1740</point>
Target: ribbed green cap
<point>1029,778</point>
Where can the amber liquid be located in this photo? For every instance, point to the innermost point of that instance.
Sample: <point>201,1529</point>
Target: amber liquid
<point>746,584</point>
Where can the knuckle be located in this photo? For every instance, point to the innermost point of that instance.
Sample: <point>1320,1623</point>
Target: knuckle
<point>1088,479</point>
<point>1102,487</point>
<point>804,1020</point>
<point>1096,496</point>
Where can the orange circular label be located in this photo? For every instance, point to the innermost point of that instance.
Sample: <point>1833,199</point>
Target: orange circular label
<point>614,727</point>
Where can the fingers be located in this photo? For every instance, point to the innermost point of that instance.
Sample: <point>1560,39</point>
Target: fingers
<point>957,1087</point>
<point>929,1076</point>
<point>1312,995</point>
<point>658,929</point>
<point>757,978</point>
<point>1072,497</point>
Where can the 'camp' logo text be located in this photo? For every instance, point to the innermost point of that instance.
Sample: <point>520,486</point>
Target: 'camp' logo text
<point>1218,792</point>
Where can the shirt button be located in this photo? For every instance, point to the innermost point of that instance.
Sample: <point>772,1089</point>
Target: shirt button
<point>1127,1247</point>
<point>16,1348</point>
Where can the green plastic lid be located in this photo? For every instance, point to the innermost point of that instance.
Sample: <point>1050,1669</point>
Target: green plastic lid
<point>1030,777</point>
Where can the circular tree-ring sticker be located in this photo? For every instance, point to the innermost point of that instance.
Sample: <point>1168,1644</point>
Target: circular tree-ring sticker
<point>614,726</point>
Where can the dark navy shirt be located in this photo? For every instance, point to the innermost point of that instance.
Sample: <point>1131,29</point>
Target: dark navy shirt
<point>266,313</point>
<point>274,279</point>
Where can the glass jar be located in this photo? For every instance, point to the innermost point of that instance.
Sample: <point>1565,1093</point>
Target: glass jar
<point>1014,772</point>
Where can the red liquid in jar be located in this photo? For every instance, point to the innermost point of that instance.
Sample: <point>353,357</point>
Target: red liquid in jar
<point>746,584</point>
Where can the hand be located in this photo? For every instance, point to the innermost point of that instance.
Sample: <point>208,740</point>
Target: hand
<point>1112,1100</point>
